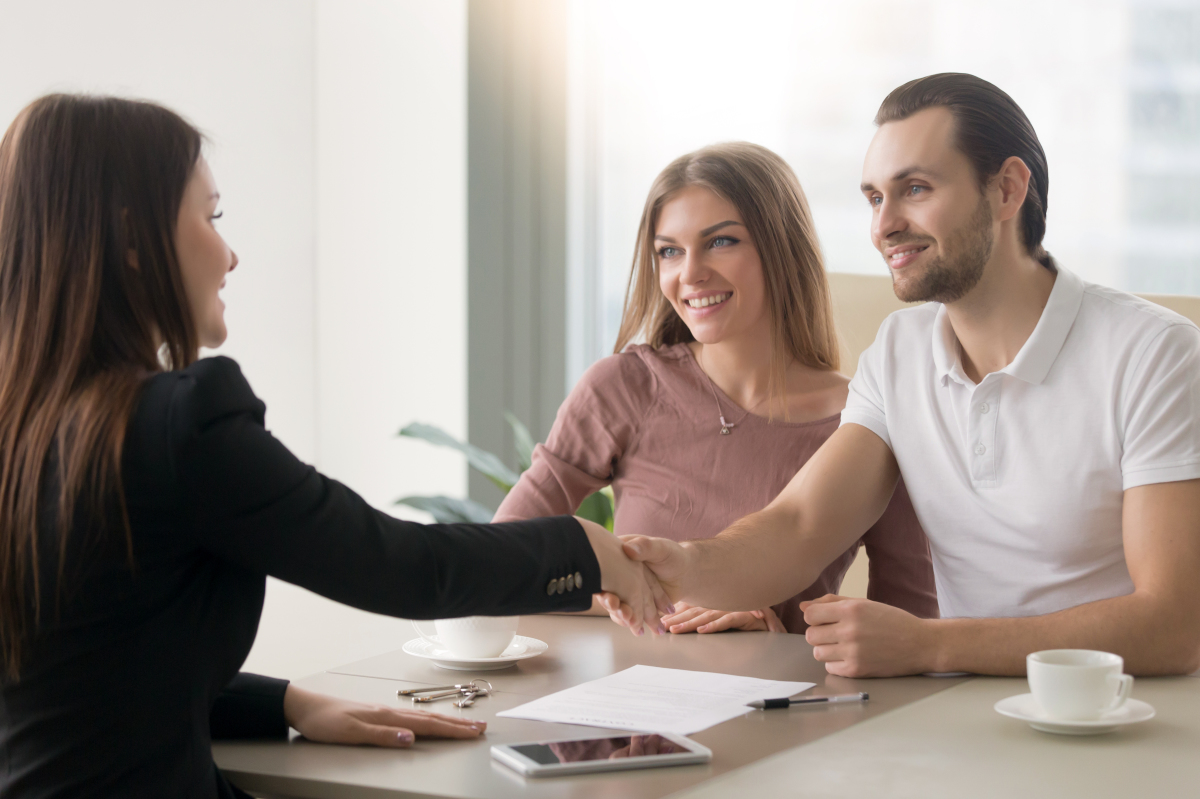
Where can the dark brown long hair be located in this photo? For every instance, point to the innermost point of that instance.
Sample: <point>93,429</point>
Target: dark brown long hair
<point>767,195</point>
<point>90,292</point>
<point>989,128</point>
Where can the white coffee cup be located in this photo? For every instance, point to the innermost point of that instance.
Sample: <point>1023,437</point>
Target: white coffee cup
<point>1077,684</point>
<point>471,636</point>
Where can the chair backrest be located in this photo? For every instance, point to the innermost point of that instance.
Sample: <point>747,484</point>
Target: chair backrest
<point>862,302</point>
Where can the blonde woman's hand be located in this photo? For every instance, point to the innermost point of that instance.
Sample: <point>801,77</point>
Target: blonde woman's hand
<point>327,719</point>
<point>690,619</point>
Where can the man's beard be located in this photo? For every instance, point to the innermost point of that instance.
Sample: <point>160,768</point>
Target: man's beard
<point>951,275</point>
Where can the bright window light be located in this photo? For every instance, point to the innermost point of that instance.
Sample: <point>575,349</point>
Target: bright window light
<point>1112,87</point>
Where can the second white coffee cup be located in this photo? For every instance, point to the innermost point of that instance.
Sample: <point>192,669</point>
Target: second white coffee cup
<point>471,636</point>
<point>1077,684</point>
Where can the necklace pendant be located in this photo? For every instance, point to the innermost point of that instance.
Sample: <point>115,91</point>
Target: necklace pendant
<point>725,427</point>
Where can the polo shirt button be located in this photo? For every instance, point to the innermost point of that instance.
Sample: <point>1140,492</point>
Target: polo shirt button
<point>551,587</point>
<point>984,408</point>
<point>980,449</point>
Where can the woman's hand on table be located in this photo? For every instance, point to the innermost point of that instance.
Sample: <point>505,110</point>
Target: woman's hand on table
<point>327,719</point>
<point>629,591</point>
<point>689,619</point>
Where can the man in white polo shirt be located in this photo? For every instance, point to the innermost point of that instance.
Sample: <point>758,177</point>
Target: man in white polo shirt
<point>1047,429</point>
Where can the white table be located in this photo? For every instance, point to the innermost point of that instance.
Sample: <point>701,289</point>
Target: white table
<point>918,736</point>
<point>953,744</point>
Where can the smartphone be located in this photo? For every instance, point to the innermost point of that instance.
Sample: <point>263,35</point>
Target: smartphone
<point>608,753</point>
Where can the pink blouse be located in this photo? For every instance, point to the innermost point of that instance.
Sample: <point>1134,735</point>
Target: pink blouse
<point>647,422</point>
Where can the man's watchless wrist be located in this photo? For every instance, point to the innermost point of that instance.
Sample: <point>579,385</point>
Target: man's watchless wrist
<point>691,556</point>
<point>934,656</point>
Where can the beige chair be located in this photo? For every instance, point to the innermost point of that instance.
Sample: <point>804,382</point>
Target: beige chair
<point>860,304</point>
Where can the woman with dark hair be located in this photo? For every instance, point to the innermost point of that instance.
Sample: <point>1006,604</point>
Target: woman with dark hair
<point>143,502</point>
<point>734,389</point>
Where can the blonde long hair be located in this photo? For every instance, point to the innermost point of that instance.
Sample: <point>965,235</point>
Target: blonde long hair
<point>767,195</point>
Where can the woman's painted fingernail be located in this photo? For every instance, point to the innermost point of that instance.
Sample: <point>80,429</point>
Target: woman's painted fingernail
<point>661,630</point>
<point>404,737</point>
<point>671,610</point>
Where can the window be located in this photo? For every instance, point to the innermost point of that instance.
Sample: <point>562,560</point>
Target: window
<point>1112,87</point>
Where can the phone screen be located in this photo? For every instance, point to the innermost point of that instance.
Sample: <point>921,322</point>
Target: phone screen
<point>598,749</point>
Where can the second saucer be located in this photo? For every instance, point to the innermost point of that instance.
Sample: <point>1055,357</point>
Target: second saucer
<point>1026,708</point>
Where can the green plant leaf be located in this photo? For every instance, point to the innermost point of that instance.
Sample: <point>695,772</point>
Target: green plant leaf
<point>448,510</point>
<point>521,440</point>
<point>480,460</point>
<point>597,508</point>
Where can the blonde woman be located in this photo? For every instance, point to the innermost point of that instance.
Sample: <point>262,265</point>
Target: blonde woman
<point>734,390</point>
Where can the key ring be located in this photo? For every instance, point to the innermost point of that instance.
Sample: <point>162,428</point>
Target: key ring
<point>473,685</point>
<point>470,690</point>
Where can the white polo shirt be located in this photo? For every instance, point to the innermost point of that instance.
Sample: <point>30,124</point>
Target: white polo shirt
<point>1018,480</point>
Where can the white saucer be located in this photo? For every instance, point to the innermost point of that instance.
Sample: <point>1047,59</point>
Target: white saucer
<point>520,649</point>
<point>1026,708</point>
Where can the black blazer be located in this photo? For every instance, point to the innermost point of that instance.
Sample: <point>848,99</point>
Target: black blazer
<point>126,676</point>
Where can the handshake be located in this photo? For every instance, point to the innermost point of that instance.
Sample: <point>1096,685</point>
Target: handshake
<point>640,577</point>
<point>643,579</point>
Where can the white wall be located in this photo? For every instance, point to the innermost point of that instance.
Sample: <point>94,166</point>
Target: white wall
<point>243,73</point>
<point>391,294</point>
<point>338,143</point>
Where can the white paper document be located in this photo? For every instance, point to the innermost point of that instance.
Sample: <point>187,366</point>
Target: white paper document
<point>650,699</point>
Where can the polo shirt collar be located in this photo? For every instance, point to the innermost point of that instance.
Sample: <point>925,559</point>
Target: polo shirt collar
<point>1033,362</point>
<point>945,349</point>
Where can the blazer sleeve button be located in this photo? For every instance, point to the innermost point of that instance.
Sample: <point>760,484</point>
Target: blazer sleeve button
<point>550,588</point>
<point>578,580</point>
<point>562,584</point>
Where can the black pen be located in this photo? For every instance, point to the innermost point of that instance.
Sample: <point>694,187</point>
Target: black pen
<point>771,704</point>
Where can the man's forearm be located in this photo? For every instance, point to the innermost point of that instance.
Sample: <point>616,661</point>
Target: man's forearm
<point>776,553</point>
<point>771,555</point>
<point>756,562</point>
<point>1153,637</point>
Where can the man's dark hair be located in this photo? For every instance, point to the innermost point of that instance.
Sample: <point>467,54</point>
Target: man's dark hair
<point>990,128</point>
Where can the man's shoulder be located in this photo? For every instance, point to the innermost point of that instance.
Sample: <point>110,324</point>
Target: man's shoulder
<point>909,323</point>
<point>903,347</point>
<point>1123,314</point>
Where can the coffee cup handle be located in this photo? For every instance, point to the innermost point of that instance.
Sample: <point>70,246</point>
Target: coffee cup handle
<point>431,637</point>
<point>1123,690</point>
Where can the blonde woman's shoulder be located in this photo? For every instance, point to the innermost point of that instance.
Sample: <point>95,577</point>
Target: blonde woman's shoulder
<point>626,372</point>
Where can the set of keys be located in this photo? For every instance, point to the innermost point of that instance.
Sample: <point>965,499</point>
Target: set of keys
<point>466,692</point>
